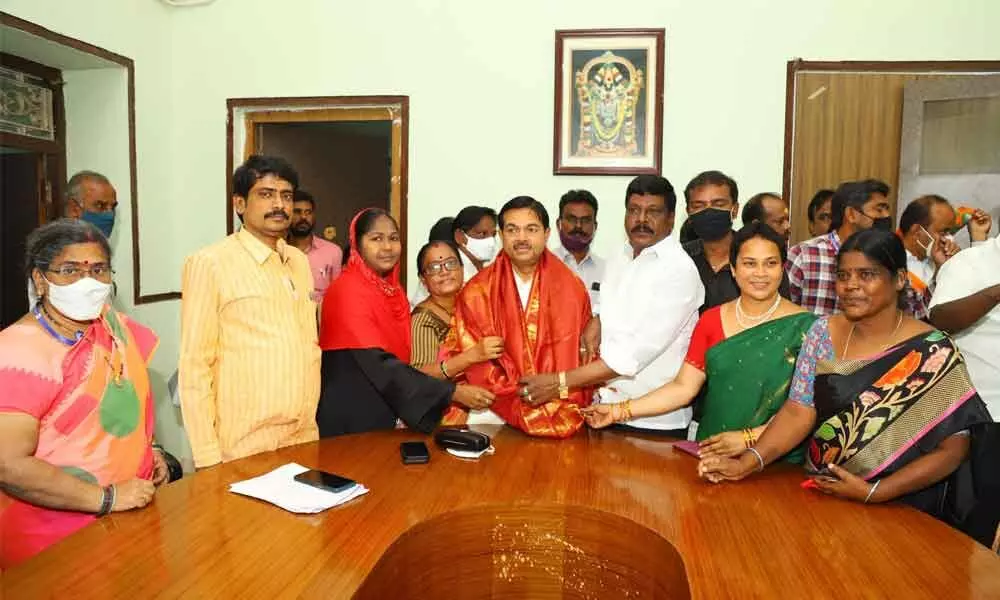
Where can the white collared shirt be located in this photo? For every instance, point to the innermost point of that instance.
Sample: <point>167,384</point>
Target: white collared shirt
<point>590,270</point>
<point>964,274</point>
<point>649,307</point>
<point>523,289</point>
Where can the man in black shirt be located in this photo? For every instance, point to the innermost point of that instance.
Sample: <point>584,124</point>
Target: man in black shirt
<point>712,204</point>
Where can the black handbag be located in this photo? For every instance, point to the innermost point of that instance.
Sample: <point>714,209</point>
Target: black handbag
<point>464,440</point>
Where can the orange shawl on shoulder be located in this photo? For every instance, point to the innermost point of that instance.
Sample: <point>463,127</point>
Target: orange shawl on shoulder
<point>544,338</point>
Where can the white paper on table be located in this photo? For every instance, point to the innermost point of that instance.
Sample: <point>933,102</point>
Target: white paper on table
<point>280,488</point>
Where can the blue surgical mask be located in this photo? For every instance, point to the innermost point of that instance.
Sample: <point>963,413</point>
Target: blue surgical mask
<point>105,221</point>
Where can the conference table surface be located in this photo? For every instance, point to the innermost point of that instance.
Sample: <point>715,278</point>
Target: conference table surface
<point>762,537</point>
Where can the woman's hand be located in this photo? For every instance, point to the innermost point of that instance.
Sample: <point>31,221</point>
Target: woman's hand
<point>845,484</point>
<point>473,397</point>
<point>727,444</point>
<point>161,472</point>
<point>599,416</point>
<point>134,493</point>
<point>719,468</point>
<point>488,348</point>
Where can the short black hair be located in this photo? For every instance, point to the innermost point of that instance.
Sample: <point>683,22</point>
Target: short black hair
<point>578,197</point>
<point>756,229</point>
<point>304,196</point>
<point>526,202</point>
<point>712,178</point>
<point>918,212</point>
<point>443,230</point>
<point>470,216</point>
<point>652,185</point>
<point>753,210</point>
<point>257,166</point>
<point>854,194</point>
<point>883,247</point>
<point>47,242</point>
<point>431,244</point>
<point>817,201</point>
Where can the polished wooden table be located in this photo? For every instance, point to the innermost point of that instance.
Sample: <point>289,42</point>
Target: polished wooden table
<point>764,537</point>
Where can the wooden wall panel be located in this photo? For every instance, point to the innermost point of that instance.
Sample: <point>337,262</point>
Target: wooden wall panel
<point>847,126</point>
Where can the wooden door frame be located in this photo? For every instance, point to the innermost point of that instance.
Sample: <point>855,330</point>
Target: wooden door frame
<point>52,153</point>
<point>129,66</point>
<point>320,109</point>
<point>871,66</point>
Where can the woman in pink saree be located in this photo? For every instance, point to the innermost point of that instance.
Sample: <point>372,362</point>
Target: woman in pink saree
<point>76,410</point>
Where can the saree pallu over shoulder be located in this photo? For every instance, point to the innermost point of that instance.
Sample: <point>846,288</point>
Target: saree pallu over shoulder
<point>544,338</point>
<point>749,374</point>
<point>876,415</point>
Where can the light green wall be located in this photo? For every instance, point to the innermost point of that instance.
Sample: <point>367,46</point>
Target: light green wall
<point>479,76</point>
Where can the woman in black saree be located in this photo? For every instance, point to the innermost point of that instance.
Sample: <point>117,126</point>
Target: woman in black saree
<point>368,383</point>
<point>886,399</point>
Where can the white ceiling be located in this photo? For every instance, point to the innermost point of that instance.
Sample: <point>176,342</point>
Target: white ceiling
<point>49,53</point>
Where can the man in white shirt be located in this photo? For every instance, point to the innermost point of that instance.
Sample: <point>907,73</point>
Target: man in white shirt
<point>649,307</point>
<point>966,304</point>
<point>924,226</point>
<point>577,223</point>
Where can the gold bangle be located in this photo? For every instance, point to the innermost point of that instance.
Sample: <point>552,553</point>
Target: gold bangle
<point>563,388</point>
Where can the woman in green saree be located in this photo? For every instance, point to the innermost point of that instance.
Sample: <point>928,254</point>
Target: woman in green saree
<point>744,350</point>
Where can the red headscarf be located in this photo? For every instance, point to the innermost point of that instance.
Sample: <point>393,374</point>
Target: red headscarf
<point>363,310</point>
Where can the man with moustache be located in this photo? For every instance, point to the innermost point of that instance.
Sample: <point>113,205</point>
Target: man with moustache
<point>539,307</point>
<point>712,202</point>
<point>249,359</point>
<point>325,257</point>
<point>577,223</point>
<point>649,306</point>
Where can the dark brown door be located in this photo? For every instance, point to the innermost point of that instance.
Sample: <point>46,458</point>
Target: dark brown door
<point>21,187</point>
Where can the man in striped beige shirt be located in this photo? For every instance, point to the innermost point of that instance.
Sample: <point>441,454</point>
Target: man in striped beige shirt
<point>249,361</point>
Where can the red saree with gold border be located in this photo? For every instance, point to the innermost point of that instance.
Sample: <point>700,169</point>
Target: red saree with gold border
<point>544,338</point>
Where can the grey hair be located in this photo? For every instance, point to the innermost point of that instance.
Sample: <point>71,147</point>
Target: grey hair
<point>76,181</point>
<point>48,241</point>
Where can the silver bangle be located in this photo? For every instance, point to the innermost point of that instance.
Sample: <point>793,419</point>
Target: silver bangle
<point>759,458</point>
<point>871,491</point>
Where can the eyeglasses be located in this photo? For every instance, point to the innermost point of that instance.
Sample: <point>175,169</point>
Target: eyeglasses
<point>74,272</point>
<point>451,264</point>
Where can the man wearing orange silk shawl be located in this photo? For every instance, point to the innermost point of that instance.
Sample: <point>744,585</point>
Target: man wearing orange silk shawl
<point>539,307</point>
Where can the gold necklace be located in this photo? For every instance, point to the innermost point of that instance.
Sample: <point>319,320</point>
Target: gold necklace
<point>850,334</point>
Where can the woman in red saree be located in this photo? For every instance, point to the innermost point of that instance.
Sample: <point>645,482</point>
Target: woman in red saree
<point>368,383</point>
<point>76,412</point>
<point>541,328</point>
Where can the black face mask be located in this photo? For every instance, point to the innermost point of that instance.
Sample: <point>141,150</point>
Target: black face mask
<point>712,224</point>
<point>882,223</point>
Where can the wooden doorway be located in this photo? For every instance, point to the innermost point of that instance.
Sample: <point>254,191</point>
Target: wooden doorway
<point>316,135</point>
<point>843,121</point>
<point>32,169</point>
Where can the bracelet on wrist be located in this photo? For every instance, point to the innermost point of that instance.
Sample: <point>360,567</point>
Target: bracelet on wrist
<point>444,371</point>
<point>107,500</point>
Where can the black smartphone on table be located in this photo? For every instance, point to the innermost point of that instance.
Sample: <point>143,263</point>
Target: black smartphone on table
<point>325,481</point>
<point>414,453</point>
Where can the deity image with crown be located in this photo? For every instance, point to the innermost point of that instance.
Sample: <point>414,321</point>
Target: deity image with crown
<point>608,90</point>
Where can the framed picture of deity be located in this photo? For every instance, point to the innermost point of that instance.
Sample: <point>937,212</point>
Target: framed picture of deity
<point>608,102</point>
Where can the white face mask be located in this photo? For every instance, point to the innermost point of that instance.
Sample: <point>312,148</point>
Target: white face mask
<point>929,247</point>
<point>483,249</point>
<point>81,300</point>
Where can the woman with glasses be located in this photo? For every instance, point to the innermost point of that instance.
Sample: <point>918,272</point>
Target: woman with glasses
<point>440,267</point>
<point>76,411</point>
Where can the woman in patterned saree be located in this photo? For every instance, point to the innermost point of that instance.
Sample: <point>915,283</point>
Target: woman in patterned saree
<point>744,351</point>
<point>76,413</point>
<point>884,400</point>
